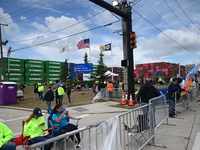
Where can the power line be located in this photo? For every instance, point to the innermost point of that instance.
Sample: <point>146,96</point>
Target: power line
<point>181,8</point>
<point>20,9</point>
<point>59,29</point>
<point>165,34</point>
<point>176,16</point>
<point>30,9</point>
<point>42,12</point>
<point>66,36</point>
<point>167,23</point>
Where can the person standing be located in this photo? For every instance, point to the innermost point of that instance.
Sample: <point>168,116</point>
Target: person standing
<point>68,92</point>
<point>35,127</point>
<point>48,97</point>
<point>36,94</point>
<point>146,92</point>
<point>40,90</point>
<point>61,92</point>
<point>172,89</point>
<point>5,136</point>
<point>116,86</point>
<point>110,87</point>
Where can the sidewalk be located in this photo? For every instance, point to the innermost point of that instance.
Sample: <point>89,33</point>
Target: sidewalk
<point>181,132</point>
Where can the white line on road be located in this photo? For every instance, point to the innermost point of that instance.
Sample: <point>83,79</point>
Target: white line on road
<point>14,119</point>
<point>83,116</point>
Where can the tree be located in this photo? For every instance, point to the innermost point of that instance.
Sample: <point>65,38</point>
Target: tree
<point>86,58</point>
<point>65,71</point>
<point>101,69</point>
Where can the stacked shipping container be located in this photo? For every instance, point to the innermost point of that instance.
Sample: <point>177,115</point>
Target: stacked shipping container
<point>14,69</point>
<point>162,69</point>
<point>34,70</point>
<point>53,70</point>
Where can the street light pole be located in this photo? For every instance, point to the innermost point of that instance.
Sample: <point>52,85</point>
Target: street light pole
<point>2,43</point>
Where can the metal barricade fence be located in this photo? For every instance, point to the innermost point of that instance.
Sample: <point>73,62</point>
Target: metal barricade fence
<point>159,110</point>
<point>131,130</point>
<point>135,128</point>
<point>182,104</point>
<point>86,131</point>
<point>115,94</point>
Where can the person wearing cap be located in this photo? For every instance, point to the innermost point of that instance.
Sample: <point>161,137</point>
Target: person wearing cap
<point>5,136</point>
<point>35,127</point>
<point>172,89</point>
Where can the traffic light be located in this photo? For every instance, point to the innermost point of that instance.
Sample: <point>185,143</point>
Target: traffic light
<point>133,40</point>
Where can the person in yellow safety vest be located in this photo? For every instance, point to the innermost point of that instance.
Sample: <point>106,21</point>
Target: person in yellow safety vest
<point>5,136</point>
<point>171,79</point>
<point>110,89</point>
<point>40,90</point>
<point>50,83</point>
<point>160,81</point>
<point>61,92</point>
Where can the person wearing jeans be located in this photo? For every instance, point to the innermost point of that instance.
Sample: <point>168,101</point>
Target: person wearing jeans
<point>35,127</point>
<point>48,97</point>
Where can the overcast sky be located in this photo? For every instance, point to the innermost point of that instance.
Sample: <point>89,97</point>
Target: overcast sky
<point>167,31</point>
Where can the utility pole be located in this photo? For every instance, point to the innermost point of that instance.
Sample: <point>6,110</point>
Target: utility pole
<point>2,43</point>
<point>125,13</point>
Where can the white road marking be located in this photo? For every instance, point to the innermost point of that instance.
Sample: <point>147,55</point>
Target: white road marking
<point>83,116</point>
<point>14,119</point>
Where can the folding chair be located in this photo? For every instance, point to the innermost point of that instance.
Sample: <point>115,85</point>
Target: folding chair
<point>138,132</point>
<point>57,133</point>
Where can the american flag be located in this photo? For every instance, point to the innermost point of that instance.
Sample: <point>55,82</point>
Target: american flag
<point>83,44</point>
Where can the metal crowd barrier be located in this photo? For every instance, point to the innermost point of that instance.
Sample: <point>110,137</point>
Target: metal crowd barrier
<point>86,131</point>
<point>115,94</point>
<point>132,130</point>
<point>192,97</point>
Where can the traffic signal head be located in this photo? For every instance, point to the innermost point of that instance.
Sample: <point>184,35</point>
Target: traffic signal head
<point>133,40</point>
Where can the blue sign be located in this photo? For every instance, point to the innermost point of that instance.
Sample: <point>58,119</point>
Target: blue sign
<point>83,68</point>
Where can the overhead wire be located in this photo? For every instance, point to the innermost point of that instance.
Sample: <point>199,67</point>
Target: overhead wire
<point>31,9</point>
<point>66,36</point>
<point>164,33</point>
<point>181,8</point>
<point>42,12</point>
<point>59,29</point>
<point>20,9</point>
<point>167,23</point>
<point>176,15</point>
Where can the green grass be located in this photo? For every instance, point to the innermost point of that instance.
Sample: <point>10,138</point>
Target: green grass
<point>76,99</point>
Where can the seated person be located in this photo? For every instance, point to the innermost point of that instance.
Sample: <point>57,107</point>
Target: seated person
<point>60,118</point>
<point>35,127</point>
<point>5,136</point>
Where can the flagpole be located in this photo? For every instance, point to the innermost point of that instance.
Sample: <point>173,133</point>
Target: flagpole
<point>112,59</point>
<point>89,52</point>
<point>68,51</point>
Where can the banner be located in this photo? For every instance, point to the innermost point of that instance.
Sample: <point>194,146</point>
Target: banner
<point>83,68</point>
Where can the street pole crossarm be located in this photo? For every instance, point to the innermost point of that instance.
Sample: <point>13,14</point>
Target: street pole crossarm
<point>111,8</point>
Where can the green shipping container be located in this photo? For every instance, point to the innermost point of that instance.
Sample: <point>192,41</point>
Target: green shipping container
<point>54,67</point>
<point>53,71</point>
<point>32,61</point>
<point>34,66</point>
<point>34,74</point>
<point>52,63</point>
<point>28,70</point>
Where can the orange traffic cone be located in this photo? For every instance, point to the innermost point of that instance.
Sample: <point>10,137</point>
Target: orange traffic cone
<point>131,103</point>
<point>123,100</point>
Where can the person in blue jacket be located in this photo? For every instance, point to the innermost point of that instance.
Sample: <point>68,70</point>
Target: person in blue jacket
<point>173,88</point>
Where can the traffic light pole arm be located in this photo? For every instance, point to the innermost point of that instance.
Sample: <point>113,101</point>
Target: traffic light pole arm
<point>111,8</point>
